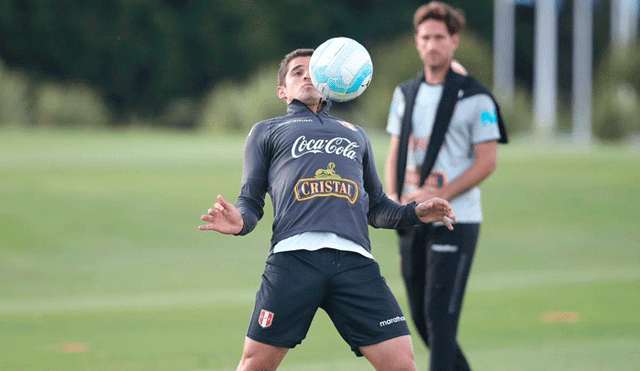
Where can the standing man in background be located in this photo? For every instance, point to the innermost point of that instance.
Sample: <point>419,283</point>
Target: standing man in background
<point>445,128</point>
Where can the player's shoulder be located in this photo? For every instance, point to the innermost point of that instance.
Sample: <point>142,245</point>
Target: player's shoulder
<point>349,125</point>
<point>472,87</point>
<point>263,127</point>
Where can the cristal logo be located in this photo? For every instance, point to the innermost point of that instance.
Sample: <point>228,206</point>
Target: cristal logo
<point>338,146</point>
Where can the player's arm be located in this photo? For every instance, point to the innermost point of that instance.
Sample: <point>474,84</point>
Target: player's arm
<point>390,168</point>
<point>385,213</point>
<point>242,218</point>
<point>394,126</point>
<point>486,160</point>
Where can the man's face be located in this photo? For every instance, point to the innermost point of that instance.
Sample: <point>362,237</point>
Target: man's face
<point>297,83</point>
<point>434,43</point>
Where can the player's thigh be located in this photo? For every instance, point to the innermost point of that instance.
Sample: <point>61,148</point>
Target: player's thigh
<point>361,305</point>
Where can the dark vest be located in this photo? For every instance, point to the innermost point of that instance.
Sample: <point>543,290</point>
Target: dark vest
<point>456,87</point>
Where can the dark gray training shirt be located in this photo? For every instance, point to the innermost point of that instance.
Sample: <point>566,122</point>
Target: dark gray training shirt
<point>320,173</point>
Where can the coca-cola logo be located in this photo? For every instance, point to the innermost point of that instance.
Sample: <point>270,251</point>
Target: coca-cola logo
<point>337,146</point>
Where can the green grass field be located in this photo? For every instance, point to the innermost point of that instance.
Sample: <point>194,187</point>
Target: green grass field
<point>102,266</point>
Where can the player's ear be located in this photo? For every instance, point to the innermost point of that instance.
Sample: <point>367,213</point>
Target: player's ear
<point>282,92</point>
<point>456,40</point>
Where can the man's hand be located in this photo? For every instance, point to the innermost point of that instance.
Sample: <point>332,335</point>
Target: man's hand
<point>224,218</point>
<point>436,210</point>
<point>430,189</point>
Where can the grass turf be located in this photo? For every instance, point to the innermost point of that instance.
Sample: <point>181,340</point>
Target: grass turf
<point>102,266</point>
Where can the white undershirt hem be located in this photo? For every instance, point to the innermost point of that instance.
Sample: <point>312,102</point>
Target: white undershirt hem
<point>312,241</point>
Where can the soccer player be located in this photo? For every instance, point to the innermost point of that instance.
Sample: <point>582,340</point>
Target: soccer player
<point>444,129</point>
<point>320,173</point>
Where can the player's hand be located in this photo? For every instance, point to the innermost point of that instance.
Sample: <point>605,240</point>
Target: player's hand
<point>224,218</point>
<point>436,210</point>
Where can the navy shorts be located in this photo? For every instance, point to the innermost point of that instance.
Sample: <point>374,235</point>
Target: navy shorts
<point>346,285</point>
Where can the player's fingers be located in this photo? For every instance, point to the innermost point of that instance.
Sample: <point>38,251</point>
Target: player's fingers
<point>447,223</point>
<point>208,218</point>
<point>223,202</point>
<point>452,216</point>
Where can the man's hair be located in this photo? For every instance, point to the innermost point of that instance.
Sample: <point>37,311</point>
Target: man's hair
<point>452,18</point>
<point>284,64</point>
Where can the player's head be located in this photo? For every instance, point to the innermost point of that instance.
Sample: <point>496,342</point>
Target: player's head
<point>284,64</point>
<point>294,80</point>
<point>437,28</point>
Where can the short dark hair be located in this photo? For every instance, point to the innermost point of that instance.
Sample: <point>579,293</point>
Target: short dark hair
<point>284,64</point>
<point>452,18</point>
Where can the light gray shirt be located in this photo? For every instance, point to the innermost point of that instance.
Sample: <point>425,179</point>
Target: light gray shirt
<point>474,121</point>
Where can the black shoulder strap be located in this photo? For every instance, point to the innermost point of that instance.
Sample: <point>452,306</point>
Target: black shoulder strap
<point>452,84</point>
<point>409,89</point>
<point>472,87</point>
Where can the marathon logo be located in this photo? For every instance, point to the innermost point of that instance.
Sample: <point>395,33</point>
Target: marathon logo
<point>391,321</point>
<point>326,183</point>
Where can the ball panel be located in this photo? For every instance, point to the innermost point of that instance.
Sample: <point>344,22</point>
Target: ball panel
<point>341,69</point>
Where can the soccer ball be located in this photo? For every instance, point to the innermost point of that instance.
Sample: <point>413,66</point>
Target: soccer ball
<point>340,69</point>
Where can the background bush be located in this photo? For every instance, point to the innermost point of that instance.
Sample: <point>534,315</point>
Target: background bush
<point>616,95</point>
<point>237,105</point>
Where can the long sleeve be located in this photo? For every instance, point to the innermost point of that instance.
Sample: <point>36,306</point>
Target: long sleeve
<point>255,173</point>
<point>383,212</point>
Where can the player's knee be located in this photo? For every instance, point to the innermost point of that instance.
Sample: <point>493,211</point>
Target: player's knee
<point>391,355</point>
<point>405,362</point>
<point>260,357</point>
<point>401,362</point>
<point>249,363</point>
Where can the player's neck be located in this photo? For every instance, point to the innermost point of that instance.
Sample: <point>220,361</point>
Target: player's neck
<point>316,108</point>
<point>435,75</point>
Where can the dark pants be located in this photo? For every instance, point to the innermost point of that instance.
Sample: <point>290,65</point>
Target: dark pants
<point>435,266</point>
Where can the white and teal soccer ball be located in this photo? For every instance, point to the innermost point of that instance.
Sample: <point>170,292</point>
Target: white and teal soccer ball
<point>340,69</point>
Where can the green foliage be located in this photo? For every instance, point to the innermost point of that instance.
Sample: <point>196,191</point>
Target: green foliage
<point>617,96</point>
<point>142,54</point>
<point>70,106</point>
<point>518,115</point>
<point>234,106</point>
<point>13,87</point>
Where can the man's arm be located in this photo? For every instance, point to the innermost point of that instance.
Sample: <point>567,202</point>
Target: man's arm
<point>486,159</point>
<point>385,213</point>
<point>390,169</point>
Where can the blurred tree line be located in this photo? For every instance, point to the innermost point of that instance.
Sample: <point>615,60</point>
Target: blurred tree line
<point>142,56</point>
